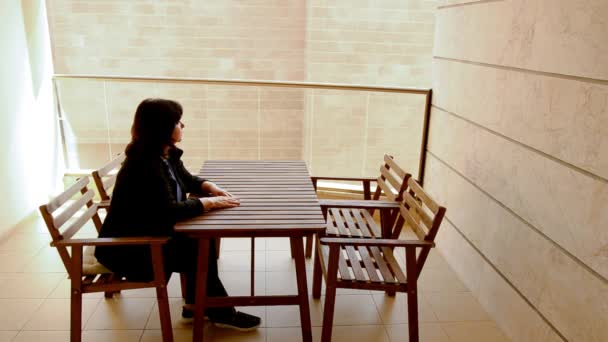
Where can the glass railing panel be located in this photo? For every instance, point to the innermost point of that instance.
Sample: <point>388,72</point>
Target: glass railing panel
<point>338,132</point>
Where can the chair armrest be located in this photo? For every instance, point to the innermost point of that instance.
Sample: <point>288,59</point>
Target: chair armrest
<point>362,204</point>
<point>375,242</point>
<point>352,179</point>
<point>112,241</point>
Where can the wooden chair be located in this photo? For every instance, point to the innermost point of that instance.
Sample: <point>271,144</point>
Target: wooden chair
<point>361,255</point>
<point>64,216</point>
<point>391,182</point>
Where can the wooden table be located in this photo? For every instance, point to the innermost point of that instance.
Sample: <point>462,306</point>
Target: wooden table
<point>277,200</point>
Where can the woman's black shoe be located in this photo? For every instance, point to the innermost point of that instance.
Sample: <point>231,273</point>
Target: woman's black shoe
<point>239,321</point>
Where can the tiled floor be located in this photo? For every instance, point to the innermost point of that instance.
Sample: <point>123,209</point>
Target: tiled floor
<point>34,300</point>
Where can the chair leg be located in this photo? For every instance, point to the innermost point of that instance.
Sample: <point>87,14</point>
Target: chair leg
<point>76,316</point>
<point>218,243</point>
<point>309,240</point>
<point>316,275</point>
<point>182,282</point>
<point>163,311</point>
<point>330,293</point>
<point>161,293</point>
<point>76,296</point>
<point>412,293</point>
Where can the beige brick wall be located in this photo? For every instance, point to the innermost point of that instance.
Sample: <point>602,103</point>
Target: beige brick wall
<point>519,155</point>
<point>369,42</point>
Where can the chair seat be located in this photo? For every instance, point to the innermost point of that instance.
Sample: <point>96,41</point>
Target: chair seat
<point>377,267</point>
<point>90,265</point>
<point>351,223</point>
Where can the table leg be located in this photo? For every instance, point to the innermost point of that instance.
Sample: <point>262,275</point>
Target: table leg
<point>201,289</point>
<point>298,254</point>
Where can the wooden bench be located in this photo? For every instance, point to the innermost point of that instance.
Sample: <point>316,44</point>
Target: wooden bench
<point>360,255</point>
<point>64,216</point>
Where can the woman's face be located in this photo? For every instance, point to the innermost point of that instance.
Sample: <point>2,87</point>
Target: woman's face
<point>177,132</point>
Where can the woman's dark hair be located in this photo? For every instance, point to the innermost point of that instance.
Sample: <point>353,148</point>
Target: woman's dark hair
<point>153,126</point>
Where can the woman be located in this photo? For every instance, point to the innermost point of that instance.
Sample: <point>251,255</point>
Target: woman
<point>149,197</point>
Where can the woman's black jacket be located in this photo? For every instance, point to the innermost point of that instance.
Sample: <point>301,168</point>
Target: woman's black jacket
<point>144,203</point>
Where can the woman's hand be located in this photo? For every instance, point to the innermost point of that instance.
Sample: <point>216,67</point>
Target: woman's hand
<point>214,190</point>
<point>218,202</point>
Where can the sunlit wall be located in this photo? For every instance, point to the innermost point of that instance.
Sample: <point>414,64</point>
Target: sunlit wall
<point>28,130</point>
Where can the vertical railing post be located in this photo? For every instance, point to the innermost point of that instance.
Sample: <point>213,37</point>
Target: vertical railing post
<point>425,136</point>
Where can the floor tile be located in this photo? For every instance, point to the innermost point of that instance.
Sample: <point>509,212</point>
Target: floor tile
<point>24,242</point>
<point>242,244</point>
<point>239,283</point>
<point>289,316</point>
<point>355,310</point>
<point>6,336</point>
<point>29,285</point>
<point>16,312</point>
<point>179,335</point>
<point>456,307</point>
<point>368,333</point>
<point>474,332</point>
<point>229,335</point>
<point>290,334</point>
<point>241,261</point>
<point>277,244</point>
<point>54,314</point>
<point>46,336</point>
<point>393,310</point>
<point>121,314</point>
<point>440,280</point>
<point>111,335</point>
<point>47,260</point>
<point>428,332</point>
<point>15,261</point>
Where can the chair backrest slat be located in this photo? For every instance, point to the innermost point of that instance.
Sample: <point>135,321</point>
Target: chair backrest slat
<point>73,228</point>
<point>114,163</point>
<point>390,162</point>
<point>393,179</point>
<point>420,193</point>
<point>387,191</point>
<point>60,199</point>
<point>73,208</point>
<point>423,215</point>
<point>104,180</point>
<point>413,223</point>
<point>418,212</point>
<point>77,198</point>
<point>394,175</point>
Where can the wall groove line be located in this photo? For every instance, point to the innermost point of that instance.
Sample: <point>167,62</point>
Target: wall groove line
<point>507,281</point>
<point>532,227</point>
<point>478,2</point>
<point>527,71</point>
<point>528,147</point>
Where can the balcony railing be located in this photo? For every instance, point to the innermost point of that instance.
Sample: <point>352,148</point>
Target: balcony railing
<point>337,129</point>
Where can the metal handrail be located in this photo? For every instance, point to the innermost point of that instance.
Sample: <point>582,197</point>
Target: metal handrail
<point>254,83</point>
<point>284,84</point>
